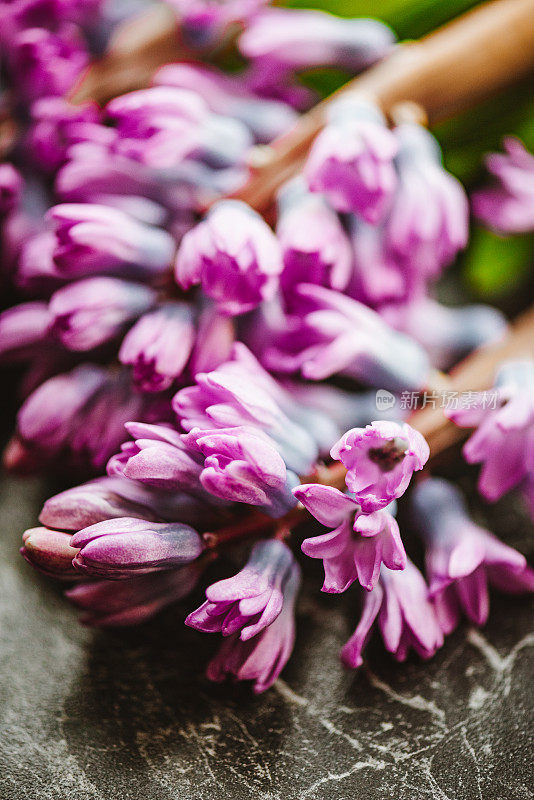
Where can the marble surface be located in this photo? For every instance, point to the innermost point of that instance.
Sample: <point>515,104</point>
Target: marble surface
<point>89,715</point>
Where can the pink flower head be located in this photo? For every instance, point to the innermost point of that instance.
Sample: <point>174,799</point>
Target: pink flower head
<point>234,255</point>
<point>508,206</point>
<point>428,222</point>
<point>261,658</point>
<point>315,248</point>
<point>406,617</point>
<point>159,345</point>
<point>241,392</point>
<point>250,601</point>
<point>380,460</point>
<point>90,312</point>
<point>463,558</point>
<point>503,441</point>
<point>50,552</point>
<point>358,543</point>
<point>352,160</point>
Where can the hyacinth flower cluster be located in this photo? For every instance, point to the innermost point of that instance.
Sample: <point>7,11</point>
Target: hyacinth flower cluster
<point>175,348</point>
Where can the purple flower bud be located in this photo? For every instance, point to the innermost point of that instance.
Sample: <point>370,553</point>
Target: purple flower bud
<point>159,345</point>
<point>462,558</point>
<point>240,392</point>
<point>113,497</point>
<point>10,188</point>
<point>132,601</point>
<point>234,255</point>
<point>315,248</point>
<point>295,39</point>
<point>243,465</point>
<point>90,312</point>
<point>447,333</point>
<point>250,601</point>
<point>22,328</point>
<point>96,239</point>
<point>89,503</point>
<point>351,161</point>
<point>50,552</point>
<point>47,418</point>
<point>428,222</point>
<point>504,422</point>
<point>56,125</point>
<point>44,63</point>
<point>406,617</point>
<point>159,457</point>
<point>380,460</point>
<point>357,545</point>
<point>508,206</point>
<point>330,333</point>
<point>262,657</point>
<point>163,127</point>
<point>118,548</point>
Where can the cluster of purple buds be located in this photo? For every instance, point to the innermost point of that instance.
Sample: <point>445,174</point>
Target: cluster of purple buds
<point>184,354</point>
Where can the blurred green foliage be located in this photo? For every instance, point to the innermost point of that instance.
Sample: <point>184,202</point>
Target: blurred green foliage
<point>493,267</point>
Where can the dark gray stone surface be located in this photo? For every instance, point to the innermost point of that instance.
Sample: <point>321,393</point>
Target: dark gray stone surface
<point>88,715</point>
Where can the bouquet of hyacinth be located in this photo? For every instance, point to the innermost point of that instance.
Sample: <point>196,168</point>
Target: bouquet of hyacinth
<point>216,364</point>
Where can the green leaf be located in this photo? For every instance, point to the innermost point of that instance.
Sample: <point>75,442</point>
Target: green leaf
<point>495,266</point>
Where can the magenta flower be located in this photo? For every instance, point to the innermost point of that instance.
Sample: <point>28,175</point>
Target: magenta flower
<point>243,465</point>
<point>159,345</point>
<point>504,437</point>
<point>47,418</point>
<point>463,558</point>
<point>289,39</point>
<point>57,125</point>
<point>97,239</point>
<point>132,601</point>
<point>315,248</point>
<point>44,63</point>
<point>90,312</point>
<point>234,255</point>
<point>241,392</point>
<point>22,329</point>
<point>112,497</point>
<point>352,160</point>
<point>406,617</point>
<point>158,457</point>
<point>261,658</point>
<point>118,548</point>
<point>50,552</point>
<point>380,460</point>
<point>329,333</point>
<point>250,601</point>
<point>428,221</point>
<point>378,276</point>
<point>508,207</point>
<point>357,545</point>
